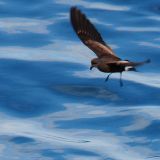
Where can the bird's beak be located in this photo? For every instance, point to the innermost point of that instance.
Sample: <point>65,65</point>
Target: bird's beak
<point>91,67</point>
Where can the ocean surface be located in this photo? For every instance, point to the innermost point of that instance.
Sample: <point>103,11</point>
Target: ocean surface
<point>52,107</point>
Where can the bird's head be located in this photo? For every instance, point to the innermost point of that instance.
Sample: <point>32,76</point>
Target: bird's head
<point>94,63</point>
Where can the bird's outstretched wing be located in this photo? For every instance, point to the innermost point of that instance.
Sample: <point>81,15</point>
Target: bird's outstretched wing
<point>90,36</point>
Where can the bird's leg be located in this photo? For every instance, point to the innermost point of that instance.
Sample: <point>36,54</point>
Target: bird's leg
<point>108,77</point>
<point>121,82</point>
<point>91,67</point>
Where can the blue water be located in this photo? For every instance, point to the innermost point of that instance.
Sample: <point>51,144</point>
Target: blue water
<point>52,107</point>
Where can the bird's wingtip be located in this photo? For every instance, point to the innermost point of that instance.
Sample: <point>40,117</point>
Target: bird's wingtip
<point>73,8</point>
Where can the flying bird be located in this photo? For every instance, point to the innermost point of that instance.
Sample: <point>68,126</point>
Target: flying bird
<point>107,61</point>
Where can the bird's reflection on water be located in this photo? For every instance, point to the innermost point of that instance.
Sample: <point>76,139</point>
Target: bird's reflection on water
<point>88,91</point>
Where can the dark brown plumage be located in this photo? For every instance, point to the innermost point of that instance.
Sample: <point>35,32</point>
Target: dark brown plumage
<point>107,60</point>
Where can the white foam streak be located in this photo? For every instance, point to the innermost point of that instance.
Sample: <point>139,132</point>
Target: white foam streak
<point>157,18</point>
<point>138,29</point>
<point>149,44</point>
<point>21,25</point>
<point>93,5</point>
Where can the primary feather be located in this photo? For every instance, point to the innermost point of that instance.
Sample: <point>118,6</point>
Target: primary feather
<point>90,36</point>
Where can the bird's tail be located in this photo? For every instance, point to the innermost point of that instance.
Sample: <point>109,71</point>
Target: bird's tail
<point>141,63</point>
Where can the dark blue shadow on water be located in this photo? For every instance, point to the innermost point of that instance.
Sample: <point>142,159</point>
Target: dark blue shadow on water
<point>21,140</point>
<point>107,124</point>
<point>52,154</point>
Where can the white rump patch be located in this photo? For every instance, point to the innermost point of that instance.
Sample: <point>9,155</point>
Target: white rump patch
<point>127,68</point>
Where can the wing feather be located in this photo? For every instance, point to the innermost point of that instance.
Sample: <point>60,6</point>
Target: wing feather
<point>89,35</point>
